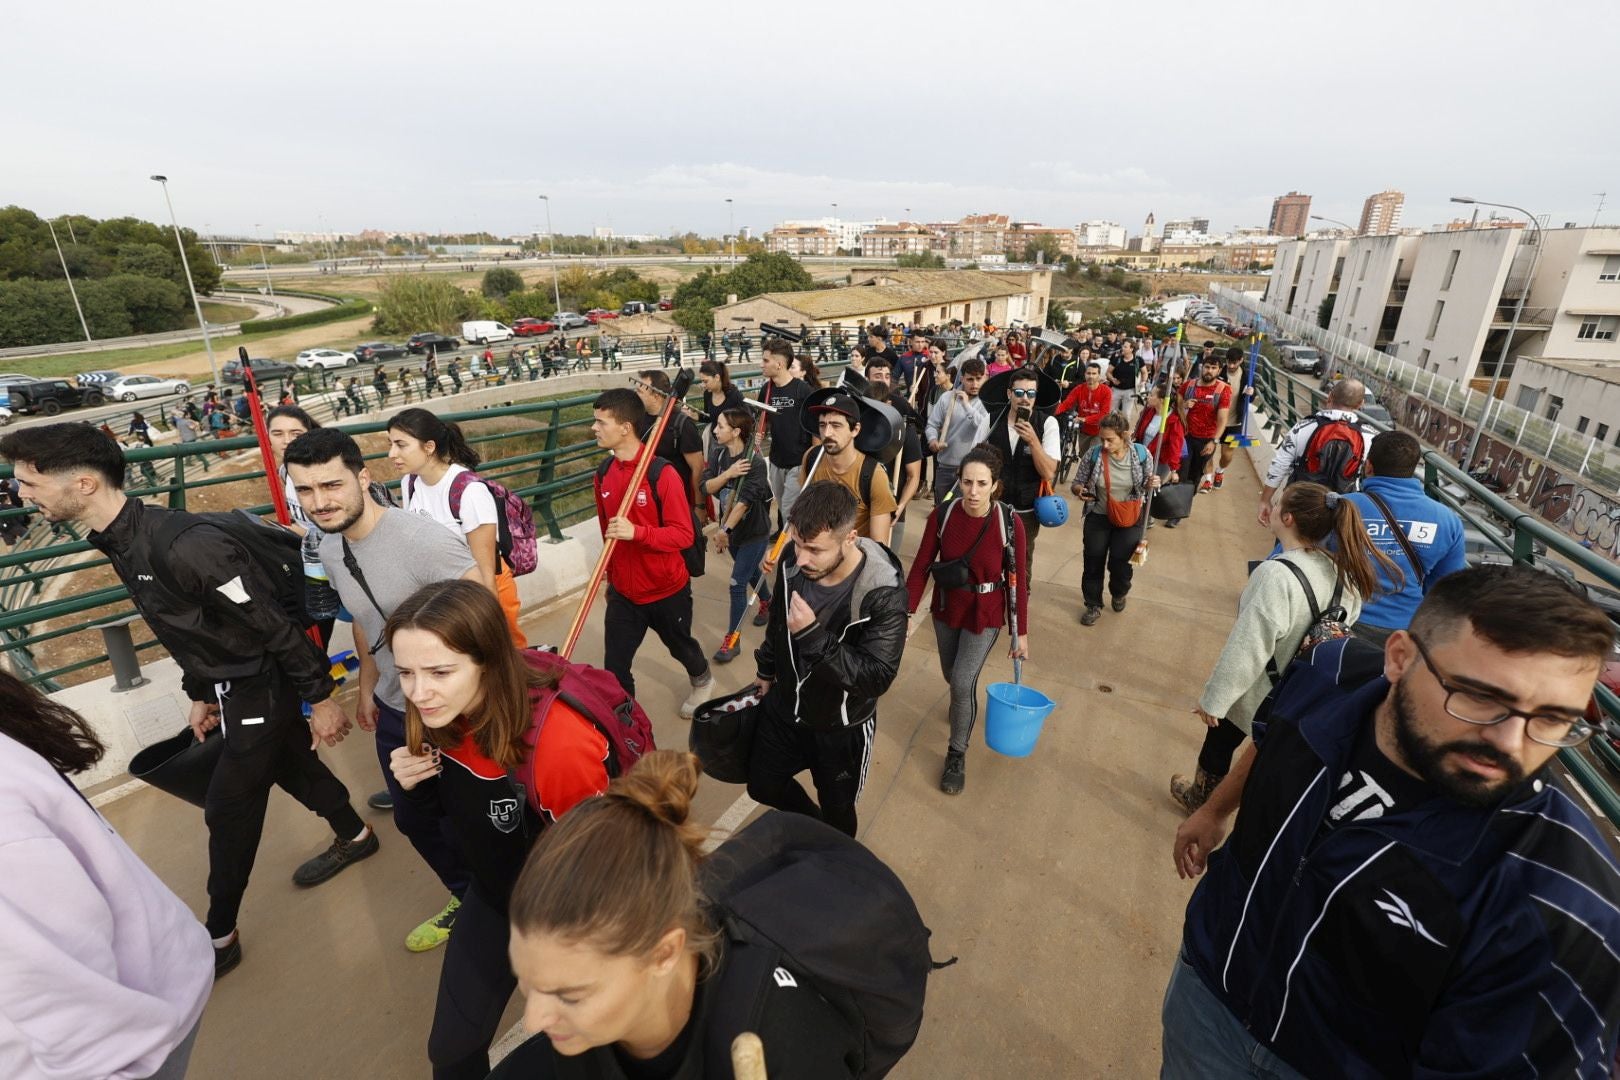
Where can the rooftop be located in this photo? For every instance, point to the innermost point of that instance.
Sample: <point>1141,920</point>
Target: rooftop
<point>900,289</point>
<point>1606,370</point>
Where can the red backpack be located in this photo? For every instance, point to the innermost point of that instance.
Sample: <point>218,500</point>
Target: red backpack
<point>1333,455</point>
<point>597,696</point>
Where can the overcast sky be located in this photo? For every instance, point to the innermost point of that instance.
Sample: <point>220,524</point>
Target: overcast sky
<point>646,117</point>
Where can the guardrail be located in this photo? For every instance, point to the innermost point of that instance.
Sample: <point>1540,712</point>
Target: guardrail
<point>1286,399</point>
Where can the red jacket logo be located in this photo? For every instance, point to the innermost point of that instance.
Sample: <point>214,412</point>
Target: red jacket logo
<point>641,500</point>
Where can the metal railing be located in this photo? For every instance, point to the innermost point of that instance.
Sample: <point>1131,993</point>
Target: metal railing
<point>1286,399</point>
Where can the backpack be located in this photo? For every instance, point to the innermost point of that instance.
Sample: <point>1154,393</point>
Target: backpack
<point>515,538</point>
<point>277,549</point>
<point>1333,454</point>
<point>695,554</point>
<point>789,889</point>
<point>957,573</point>
<point>1330,668</point>
<point>242,407</point>
<point>1324,625</point>
<point>869,465</point>
<point>597,696</point>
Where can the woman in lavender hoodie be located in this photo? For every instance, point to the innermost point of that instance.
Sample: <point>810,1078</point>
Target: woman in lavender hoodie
<point>103,971</point>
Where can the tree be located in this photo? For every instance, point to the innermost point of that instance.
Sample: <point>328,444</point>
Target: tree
<point>697,297</point>
<point>1324,312</point>
<point>922,260</point>
<point>1044,248</point>
<point>409,303</point>
<point>501,281</point>
<point>152,303</point>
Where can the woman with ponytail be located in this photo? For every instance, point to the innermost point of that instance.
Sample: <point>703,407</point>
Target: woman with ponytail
<point>617,951</point>
<point>429,454</point>
<point>1322,536</point>
<point>471,704</point>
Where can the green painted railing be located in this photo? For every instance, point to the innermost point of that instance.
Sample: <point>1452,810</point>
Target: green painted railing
<point>1285,399</point>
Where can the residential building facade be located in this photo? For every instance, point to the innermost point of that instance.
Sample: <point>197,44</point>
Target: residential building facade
<point>1381,213</point>
<point>913,297</point>
<point>1290,214</point>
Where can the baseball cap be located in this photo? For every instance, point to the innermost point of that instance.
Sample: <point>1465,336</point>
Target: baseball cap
<point>839,403</point>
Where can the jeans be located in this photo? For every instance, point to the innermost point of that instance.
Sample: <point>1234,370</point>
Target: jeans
<point>1204,1041</point>
<point>626,624</point>
<point>944,480</point>
<point>745,559</point>
<point>785,485</point>
<point>1220,743</point>
<point>424,825</point>
<point>1108,547</point>
<point>961,658</point>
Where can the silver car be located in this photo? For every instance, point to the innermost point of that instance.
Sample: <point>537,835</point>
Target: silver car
<point>135,387</point>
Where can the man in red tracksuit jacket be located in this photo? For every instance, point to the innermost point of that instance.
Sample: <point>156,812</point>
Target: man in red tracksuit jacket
<point>648,586</point>
<point>1092,400</point>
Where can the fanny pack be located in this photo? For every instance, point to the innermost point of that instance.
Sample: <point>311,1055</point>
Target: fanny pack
<point>958,573</point>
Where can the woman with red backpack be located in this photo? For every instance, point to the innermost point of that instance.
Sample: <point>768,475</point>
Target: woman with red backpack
<point>489,740</point>
<point>430,454</point>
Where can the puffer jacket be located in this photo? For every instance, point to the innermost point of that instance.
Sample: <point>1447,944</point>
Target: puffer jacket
<point>831,673</point>
<point>225,622</point>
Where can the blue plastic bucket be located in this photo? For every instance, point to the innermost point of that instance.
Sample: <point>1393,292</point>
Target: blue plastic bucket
<point>1013,716</point>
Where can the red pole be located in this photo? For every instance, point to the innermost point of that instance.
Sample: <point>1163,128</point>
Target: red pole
<point>278,490</point>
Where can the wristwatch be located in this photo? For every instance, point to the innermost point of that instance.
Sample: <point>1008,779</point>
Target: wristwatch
<point>726,529</point>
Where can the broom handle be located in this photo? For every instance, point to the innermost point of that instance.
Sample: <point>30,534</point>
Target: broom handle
<point>748,1057</point>
<point>643,462</point>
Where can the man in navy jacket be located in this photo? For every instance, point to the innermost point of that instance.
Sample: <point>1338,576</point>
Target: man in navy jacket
<point>1402,894</point>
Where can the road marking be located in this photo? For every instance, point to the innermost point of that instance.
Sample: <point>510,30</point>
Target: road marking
<point>112,795</point>
<point>727,823</point>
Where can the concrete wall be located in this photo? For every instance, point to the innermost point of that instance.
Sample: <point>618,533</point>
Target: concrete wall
<point>1471,298</point>
<point>1370,272</point>
<point>1316,279</point>
<point>1586,395</point>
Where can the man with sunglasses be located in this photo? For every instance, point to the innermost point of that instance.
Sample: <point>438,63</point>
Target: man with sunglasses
<point>1028,441</point>
<point>1405,893</point>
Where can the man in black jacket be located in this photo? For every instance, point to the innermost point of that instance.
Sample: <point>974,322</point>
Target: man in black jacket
<point>236,646</point>
<point>836,632</point>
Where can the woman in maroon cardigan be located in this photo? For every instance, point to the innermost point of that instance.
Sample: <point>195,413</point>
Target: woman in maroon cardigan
<point>968,620</point>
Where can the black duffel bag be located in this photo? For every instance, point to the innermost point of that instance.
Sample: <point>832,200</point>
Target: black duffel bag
<point>722,734</point>
<point>1173,501</point>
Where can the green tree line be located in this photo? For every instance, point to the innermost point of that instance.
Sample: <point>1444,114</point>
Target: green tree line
<point>127,273</point>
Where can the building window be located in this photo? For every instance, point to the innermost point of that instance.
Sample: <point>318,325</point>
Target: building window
<point>1366,257</point>
<point>1602,432</point>
<point>1434,320</point>
<point>1598,327</point>
<point>1611,269</point>
<point>1527,397</point>
<point>1451,268</point>
<point>1355,301</point>
<point>1582,424</point>
<point>1555,405</point>
<point>1423,360</point>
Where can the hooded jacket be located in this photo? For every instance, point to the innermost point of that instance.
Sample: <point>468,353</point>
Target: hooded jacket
<point>831,673</point>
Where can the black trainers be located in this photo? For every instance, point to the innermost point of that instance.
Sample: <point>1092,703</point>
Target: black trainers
<point>341,854</point>
<point>954,777</point>
<point>763,615</point>
<point>1118,603</point>
<point>1090,616</point>
<point>227,957</point>
<point>381,800</point>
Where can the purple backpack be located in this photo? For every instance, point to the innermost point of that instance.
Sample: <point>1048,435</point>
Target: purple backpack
<point>515,539</point>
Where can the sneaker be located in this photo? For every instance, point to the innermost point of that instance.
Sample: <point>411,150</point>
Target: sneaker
<point>227,957</point>
<point>701,692</point>
<point>1091,615</point>
<point>1220,478</point>
<point>1118,603</point>
<point>726,654</point>
<point>1172,523</point>
<point>340,855</point>
<point>436,931</point>
<point>381,800</point>
<point>763,615</point>
<point>955,774</point>
<point>1206,484</point>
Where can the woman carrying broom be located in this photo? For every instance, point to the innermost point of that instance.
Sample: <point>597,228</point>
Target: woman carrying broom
<point>1114,480</point>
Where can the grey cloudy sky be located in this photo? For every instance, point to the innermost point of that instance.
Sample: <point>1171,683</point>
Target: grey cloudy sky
<point>647,116</point>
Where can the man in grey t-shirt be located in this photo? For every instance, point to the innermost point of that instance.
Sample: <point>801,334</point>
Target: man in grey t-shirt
<point>395,554</point>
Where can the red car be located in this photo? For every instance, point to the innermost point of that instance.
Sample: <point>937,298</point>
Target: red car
<point>666,305</point>
<point>596,315</point>
<point>532,327</point>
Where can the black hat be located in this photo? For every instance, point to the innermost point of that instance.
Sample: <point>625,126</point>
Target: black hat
<point>839,402</point>
<point>994,392</point>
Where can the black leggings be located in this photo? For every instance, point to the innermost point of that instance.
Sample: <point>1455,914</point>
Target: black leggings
<point>1220,743</point>
<point>475,984</point>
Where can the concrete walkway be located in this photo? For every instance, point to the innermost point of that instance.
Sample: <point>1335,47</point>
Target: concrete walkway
<point>1050,876</point>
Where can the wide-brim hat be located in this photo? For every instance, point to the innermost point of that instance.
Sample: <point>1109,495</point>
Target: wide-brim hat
<point>995,395</point>
<point>882,431</point>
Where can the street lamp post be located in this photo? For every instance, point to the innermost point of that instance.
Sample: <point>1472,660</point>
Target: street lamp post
<point>71,290</point>
<point>1333,221</point>
<point>551,245</point>
<point>258,231</point>
<point>185,264</point>
<point>1518,310</point>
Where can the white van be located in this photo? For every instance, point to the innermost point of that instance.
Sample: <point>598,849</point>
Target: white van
<point>485,331</point>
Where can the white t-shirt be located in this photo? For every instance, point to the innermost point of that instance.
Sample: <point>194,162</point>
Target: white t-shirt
<point>433,501</point>
<point>1049,436</point>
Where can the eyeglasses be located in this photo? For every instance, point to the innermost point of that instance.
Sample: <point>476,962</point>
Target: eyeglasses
<point>1484,710</point>
<point>1023,393</point>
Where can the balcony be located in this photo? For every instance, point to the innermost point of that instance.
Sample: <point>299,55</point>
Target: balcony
<point>1532,318</point>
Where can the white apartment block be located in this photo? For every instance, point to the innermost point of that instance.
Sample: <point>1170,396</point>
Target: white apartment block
<point>1099,234</point>
<point>802,240</point>
<point>1305,273</point>
<point>1372,292</point>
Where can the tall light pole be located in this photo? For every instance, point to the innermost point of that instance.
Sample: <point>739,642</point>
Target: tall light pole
<point>258,232</point>
<point>1333,221</point>
<point>731,229</point>
<point>1518,309</point>
<point>551,245</point>
<point>838,230</point>
<point>71,290</point>
<point>196,305</point>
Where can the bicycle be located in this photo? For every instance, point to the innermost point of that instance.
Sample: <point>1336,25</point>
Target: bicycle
<point>1070,448</point>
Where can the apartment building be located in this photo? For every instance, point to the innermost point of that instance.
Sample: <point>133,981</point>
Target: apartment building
<point>977,235</point>
<point>802,240</point>
<point>1572,367</point>
<point>905,238</point>
<point>1290,214</point>
<point>1369,301</point>
<point>1305,273</point>
<point>1381,213</point>
<point>1099,234</point>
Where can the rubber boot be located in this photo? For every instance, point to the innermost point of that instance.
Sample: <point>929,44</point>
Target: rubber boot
<point>1193,793</point>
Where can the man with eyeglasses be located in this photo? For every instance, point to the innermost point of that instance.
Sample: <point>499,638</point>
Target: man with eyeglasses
<point>1404,894</point>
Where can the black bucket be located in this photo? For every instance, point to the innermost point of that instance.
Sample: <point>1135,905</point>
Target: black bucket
<point>180,765</point>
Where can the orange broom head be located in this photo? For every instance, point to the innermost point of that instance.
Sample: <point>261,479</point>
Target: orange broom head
<point>1139,556</point>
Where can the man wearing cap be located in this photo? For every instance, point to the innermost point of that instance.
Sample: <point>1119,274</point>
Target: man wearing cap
<point>838,420</point>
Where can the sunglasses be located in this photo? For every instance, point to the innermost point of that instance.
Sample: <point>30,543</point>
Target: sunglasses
<point>1023,393</point>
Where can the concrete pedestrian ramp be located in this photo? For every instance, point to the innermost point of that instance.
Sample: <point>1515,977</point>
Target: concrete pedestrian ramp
<point>1049,877</point>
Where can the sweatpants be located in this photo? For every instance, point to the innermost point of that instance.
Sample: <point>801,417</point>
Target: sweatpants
<point>785,486</point>
<point>944,480</point>
<point>266,743</point>
<point>836,757</point>
<point>507,592</point>
<point>422,822</point>
<point>962,654</point>
<point>1220,743</point>
<point>626,624</point>
<point>1193,466</point>
<point>475,984</point>
<point>1108,547</point>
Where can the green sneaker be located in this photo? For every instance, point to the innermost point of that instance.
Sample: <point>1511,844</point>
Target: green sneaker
<point>436,931</point>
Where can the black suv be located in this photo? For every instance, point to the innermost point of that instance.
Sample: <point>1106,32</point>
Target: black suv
<point>421,343</point>
<point>51,396</point>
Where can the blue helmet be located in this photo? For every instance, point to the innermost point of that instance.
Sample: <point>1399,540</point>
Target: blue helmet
<point>1051,511</point>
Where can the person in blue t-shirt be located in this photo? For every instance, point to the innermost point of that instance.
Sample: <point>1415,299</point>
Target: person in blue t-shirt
<point>1433,532</point>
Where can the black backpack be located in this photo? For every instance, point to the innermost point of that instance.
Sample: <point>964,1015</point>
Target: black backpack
<point>792,890</point>
<point>695,555</point>
<point>1323,672</point>
<point>276,548</point>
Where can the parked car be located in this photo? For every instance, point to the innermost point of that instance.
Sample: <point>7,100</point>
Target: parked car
<point>421,343</point>
<point>636,307</point>
<point>1302,358</point>
<point>485,331</point>
<point>570,320</point>
<point>262,370</point>
<point>666,305</point>
<point>325,358</point>
<point>596,315</point>
<point>380,350</point>
<point>134,387</point>
<point>527,327</point>
<point>50,396</point>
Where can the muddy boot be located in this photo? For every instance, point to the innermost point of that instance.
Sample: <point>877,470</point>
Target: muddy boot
<point>1191,794</point>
